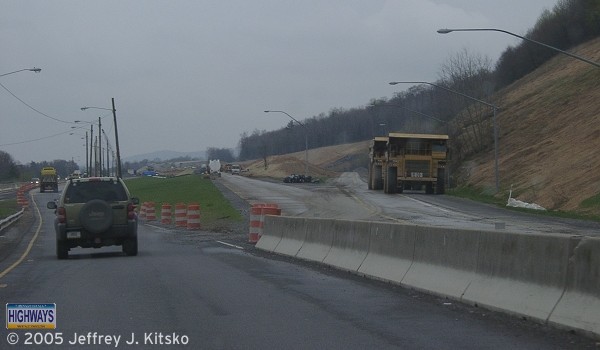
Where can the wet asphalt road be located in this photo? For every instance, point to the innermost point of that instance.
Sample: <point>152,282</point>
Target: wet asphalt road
<point>217,292</point>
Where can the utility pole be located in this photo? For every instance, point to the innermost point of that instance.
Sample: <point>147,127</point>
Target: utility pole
<point>100,144</point>
<point>116,138</point>
<point>91,157</point>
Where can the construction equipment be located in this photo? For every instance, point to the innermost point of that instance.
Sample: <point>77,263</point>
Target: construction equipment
<point>377,157</point>
<point>410,162</point>
<point>49,179</point>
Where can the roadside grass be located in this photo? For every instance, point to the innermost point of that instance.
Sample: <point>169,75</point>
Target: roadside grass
<point>590,206</point>
<point>215,210</point>
<point>8,207</point>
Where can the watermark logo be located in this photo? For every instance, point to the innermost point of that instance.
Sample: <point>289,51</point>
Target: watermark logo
<point>30,316</point>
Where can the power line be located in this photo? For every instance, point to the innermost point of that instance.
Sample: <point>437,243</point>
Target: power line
<point>34,140</point>
<point>32,108</point>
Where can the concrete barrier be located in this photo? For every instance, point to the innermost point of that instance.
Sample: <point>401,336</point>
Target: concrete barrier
<point>271,237</point>
<point>318,241</point>
<point>444,262</point>
<point>580,305</point>
<point>350,245</point>
<point>549,277</point>
<point>521,273</point>
<point>391,251</point>
<point>292,237</point>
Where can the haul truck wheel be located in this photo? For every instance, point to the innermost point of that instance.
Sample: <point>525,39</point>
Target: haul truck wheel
<point>377,177</point>
<point>370,182</point>
<point>391,183</point>
<point>440,187</point>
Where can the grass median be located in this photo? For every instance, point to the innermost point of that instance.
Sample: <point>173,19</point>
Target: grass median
<point>216,212</point>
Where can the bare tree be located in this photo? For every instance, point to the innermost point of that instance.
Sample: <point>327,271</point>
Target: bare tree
<point>471,75</point>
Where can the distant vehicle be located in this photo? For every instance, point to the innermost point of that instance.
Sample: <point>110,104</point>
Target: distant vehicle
<point>214,167</point>
<point>235,169</point>
<point>150,173</point>
<point>49,179</point>
<point>95,212</point>
<point>76,174</point>
<point>35,180</point>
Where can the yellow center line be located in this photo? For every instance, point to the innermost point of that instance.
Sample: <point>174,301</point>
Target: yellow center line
<point>29,246</point>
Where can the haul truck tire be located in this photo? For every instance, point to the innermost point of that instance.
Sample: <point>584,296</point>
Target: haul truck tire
<point>377,177</point>
<point>370,182</point>
<point>440,186</point>
<point>391,180</point>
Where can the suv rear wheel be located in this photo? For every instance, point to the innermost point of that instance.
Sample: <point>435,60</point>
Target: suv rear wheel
<point>130,246</point>
<point>62,250</point>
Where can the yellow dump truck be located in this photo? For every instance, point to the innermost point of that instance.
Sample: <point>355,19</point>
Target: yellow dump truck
<point>409,162</point>
<point>48,180</point>
<point>377,156</point>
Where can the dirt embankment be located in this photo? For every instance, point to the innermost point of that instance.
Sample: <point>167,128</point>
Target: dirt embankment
<point>549,139</point>
<point>549,134</point>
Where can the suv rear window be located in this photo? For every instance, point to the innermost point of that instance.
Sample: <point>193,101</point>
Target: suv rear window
<point>81,192</point>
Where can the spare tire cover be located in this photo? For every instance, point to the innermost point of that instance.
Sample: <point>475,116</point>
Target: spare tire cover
<point>96,216</point>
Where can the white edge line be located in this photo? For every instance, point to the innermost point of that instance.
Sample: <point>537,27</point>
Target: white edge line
<point>231,245</point>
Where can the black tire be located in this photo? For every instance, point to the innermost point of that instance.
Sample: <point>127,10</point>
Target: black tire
<point>96,216</point>
<point>429,188</point>
<point>370,182</point>
<point>377,177</point>
<point>391,180</point>
<point>440,187</point>
<point>62,250</point>
<point>130,246</point>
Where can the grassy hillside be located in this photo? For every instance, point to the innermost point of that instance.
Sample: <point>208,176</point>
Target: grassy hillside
<point>549,136</point>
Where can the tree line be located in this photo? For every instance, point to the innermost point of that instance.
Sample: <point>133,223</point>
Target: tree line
<point>11,170</point>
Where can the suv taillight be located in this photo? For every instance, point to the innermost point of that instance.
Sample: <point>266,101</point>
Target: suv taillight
<point>130,211</point>
<point>61,214</point>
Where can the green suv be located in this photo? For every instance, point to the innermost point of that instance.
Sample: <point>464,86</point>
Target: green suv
<point>95,212</point>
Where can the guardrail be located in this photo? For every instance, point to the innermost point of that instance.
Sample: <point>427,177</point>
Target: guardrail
<point>11,219</point>
<point>552,278</point>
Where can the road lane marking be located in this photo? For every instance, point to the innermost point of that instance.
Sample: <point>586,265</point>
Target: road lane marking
<point>231,245</point>
<point>30,245</point>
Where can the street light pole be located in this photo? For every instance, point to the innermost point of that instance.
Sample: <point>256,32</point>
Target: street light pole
<point>305,139</point>
<point>494,108</point>
<point>36,70</point>
<point>446,31</point>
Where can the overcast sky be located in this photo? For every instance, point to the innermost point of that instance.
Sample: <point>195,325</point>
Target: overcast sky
<point>188,75</point>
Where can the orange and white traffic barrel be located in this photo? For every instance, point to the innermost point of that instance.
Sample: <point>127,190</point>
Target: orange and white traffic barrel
<point>150,211</point>
<point>255,227</point>
<point>21,199</point>
<point>180,215</point>
<point>193,217</point>
<point>257,213</point>
<point>142,215</point>
<point>165,214</point>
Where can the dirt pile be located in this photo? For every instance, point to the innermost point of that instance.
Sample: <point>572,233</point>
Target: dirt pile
<point>323,162</point>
